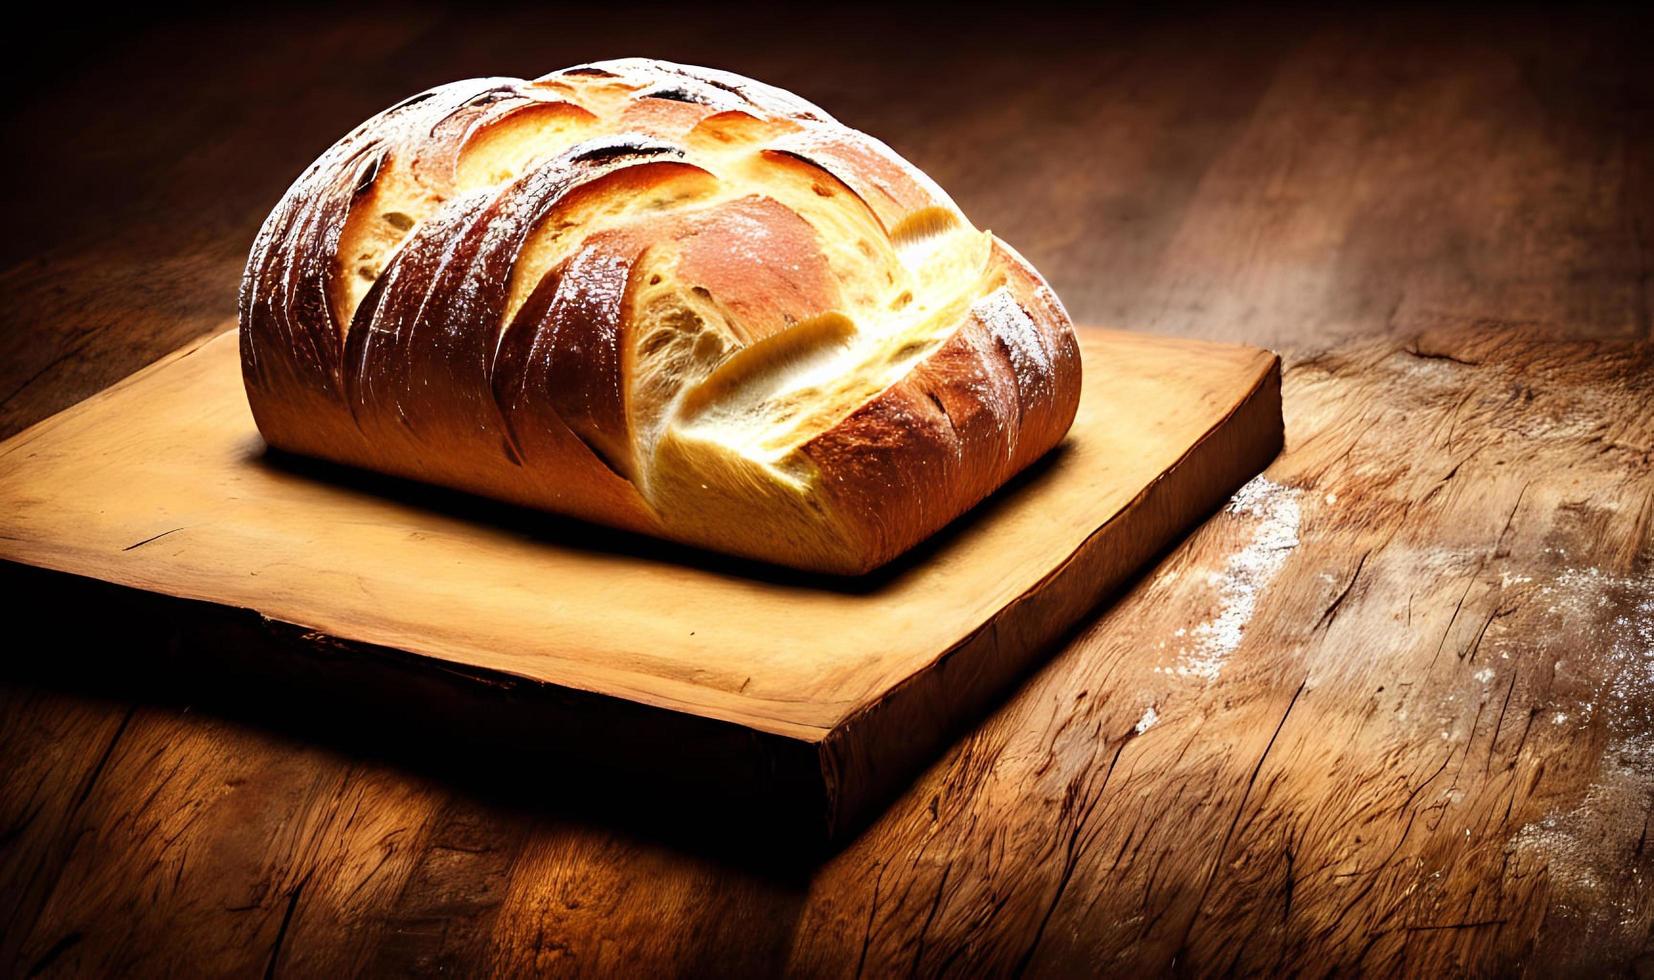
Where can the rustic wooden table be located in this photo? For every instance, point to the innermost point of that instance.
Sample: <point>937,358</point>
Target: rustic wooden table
<point>1392,710</point>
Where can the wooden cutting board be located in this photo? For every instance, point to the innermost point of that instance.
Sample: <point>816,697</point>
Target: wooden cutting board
<point>157,496</point>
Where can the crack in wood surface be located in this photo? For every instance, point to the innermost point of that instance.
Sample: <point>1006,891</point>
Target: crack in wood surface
<point>1240,808</point>
<point>152,538</point>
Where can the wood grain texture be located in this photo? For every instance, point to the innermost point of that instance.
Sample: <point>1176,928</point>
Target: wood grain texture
<point>161,485</point>
<point>1441,216</point>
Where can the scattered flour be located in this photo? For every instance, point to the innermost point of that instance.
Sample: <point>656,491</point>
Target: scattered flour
<point>1275,512</point>
<point>1587,852</point>
<point>1149,720</point>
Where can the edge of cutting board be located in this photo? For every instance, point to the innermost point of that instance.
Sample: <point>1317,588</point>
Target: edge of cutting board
<point>869,755</point>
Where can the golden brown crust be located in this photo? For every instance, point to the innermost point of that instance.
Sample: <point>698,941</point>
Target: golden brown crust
<point>537,291</point>
<point>973,414</point>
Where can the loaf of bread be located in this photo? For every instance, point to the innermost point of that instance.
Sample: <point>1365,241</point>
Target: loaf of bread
<point>661,298</point>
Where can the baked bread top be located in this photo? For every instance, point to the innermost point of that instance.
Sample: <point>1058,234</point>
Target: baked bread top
<point>662,298</point>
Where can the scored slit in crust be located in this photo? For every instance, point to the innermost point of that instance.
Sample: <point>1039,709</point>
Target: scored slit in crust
<point>661,298</point>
